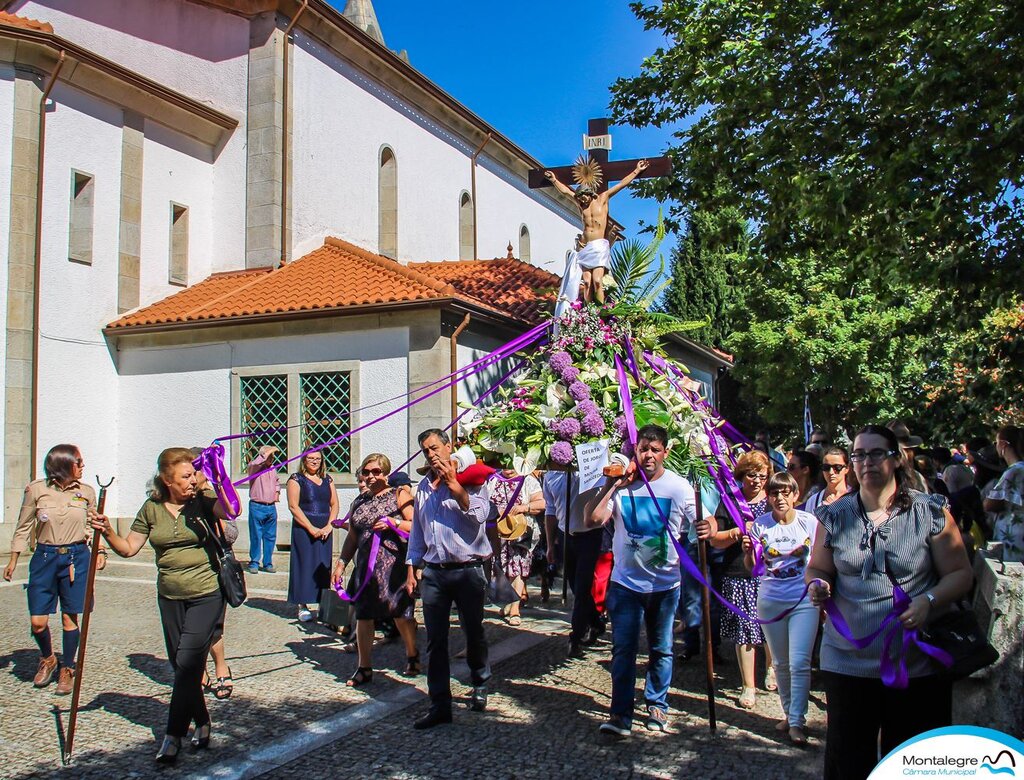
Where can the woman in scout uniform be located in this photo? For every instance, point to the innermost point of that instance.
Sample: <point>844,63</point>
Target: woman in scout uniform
<point>57,509</point>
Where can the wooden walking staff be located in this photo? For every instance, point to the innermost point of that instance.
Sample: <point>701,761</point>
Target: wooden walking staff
<point>565,536</point>
<point>702,551</point>
<point>84,639</point>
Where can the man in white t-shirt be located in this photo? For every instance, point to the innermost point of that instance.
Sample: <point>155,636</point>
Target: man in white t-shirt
<point>645,580</point>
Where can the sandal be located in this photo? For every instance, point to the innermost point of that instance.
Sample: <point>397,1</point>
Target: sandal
<point>797,736</point>
<point>225,687</point>
<point>514,620</point>
<point>208,686</point>
<point>412,666</point>
<point>770,683</point>
<point>349,647</point>
<point>363,675</point>
<point>782,725</point>
<point>748,698</point>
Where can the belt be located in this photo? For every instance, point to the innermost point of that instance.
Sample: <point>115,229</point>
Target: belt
<point>458,565</point>
<point>263,503</point>
<point>63,549</point>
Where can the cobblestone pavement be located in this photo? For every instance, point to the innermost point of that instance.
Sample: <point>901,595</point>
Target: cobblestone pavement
<point>292,716</point>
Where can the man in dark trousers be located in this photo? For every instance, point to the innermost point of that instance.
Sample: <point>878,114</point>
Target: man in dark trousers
<point>449,543</point>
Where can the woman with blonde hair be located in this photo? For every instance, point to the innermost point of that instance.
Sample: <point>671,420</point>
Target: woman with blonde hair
<point>313,502</point>
<point>179,524</point>
<point>377,584</point>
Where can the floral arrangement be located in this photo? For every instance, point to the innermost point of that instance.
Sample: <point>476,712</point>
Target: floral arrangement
<point>569,395</point>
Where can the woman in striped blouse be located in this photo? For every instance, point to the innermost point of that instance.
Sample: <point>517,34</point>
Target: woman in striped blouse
<point>885,529</point>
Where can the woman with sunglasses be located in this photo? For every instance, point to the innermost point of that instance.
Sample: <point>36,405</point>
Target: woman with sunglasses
<point>313,502</point>
<point>379,593</point>
<point>737,586</point>
<point>835,466</point>
<point>785,536</point>
<point>869,538</point>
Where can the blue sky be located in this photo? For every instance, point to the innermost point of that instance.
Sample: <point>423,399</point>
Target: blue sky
<point>537,71</point>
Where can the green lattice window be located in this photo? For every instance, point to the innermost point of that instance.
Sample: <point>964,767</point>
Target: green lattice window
<point>264,406</point>
<point>324,407</point>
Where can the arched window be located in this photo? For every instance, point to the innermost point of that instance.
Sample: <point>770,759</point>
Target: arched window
<point>387,204</point>
<point>524,244</point>
<point>466,227</point>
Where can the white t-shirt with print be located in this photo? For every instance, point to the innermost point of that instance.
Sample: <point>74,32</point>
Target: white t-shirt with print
<point>645,558</point>
<point>787,550</point>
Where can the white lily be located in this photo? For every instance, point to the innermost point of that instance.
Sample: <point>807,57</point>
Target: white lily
<point>499,446</point>
<point>557,394</point>
<point>526,465</point>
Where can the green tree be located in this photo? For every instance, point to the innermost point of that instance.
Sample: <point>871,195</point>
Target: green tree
<point>703,266</point>
<point>885,138</point>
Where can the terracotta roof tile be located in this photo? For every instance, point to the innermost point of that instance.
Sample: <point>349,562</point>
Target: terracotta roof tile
<point>506,284</point>
<point>12,20</point>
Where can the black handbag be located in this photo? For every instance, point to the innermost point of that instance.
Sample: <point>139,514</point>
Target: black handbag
<point>959,634</point>
<point>230,573</point>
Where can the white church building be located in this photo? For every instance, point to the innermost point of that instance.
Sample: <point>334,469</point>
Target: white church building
<point>231,215</point>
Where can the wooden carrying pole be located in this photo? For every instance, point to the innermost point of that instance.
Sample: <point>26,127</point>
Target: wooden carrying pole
<point>702,550</point>
<point>565,536</point>
<point>84,641</point>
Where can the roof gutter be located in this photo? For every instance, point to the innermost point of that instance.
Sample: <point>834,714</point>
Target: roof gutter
<point>285,135</point>
<point>454,361</point>
<point>472,186</point>
<point>38,261</point>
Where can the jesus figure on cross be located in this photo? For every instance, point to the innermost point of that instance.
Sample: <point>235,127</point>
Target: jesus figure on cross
<point>593,205</point>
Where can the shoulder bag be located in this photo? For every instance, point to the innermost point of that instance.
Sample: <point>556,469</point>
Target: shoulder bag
<point>230,574</point>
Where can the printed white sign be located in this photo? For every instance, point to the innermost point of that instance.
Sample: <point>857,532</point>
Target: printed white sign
<point>597,142</point>
<point>591,458</point>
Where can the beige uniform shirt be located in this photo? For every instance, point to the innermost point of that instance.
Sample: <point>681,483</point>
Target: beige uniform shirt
<point>60,515</point>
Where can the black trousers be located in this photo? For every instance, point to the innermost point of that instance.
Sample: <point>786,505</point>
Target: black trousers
<point>190,627</point>
<point>861,708</point>
<point>583,552</point>
<point>466,588</point>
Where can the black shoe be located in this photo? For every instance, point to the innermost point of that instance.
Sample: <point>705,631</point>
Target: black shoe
<point>686,654</point>
<point>201,737</point>
<point>616,726</point>
<point>169,750</point>
<point>434,717</point>
<point>576,649</point>
<point>594,634</point>
<point>478,699</point>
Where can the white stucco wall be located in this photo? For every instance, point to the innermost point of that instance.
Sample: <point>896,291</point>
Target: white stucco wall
<point>78,385</point>
<point>199,51</point>
<point>179,170</point>
<point>6,129</point>
<point>343,118</point>
<point>155,382</point>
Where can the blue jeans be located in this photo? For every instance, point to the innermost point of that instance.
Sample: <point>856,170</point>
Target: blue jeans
<point>791,641</point>
<point>691,607</point>
<point>628,609</point>
<point>262,533</point>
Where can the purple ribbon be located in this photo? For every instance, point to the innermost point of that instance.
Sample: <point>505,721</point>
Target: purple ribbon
<point>371,564</point>
<point>211,463</point>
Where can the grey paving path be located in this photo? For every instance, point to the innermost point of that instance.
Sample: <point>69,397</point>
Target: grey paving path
<point>291,714</point>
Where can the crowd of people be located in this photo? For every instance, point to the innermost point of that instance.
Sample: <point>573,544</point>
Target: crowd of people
<point>839,523</point>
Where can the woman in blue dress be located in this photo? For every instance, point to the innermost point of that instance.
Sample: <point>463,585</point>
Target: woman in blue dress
<point>313,502</point>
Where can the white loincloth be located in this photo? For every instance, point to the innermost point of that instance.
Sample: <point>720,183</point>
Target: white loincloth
<point>570,289</point>
<point>596,254</point>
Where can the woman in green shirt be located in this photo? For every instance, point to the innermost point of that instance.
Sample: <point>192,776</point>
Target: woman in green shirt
<point>176,521</point>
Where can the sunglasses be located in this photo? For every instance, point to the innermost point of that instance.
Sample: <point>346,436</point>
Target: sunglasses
<point>757,477</point>
<point>371,472</point>
<point>836,467</point>
<point>794,467</point>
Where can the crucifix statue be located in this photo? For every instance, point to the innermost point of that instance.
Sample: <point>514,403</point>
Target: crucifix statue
<point>592,172</point>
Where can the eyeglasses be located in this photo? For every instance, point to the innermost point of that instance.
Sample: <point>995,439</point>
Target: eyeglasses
<point>756,477</point>
<point>872,456</point>
<point>793,466</point>
<point>830,467</point>
<point>79,462</point>
<point>780,492</point>
<point>371,472</point>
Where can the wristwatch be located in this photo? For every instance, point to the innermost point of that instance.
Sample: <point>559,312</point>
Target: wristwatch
<point>931,598</point>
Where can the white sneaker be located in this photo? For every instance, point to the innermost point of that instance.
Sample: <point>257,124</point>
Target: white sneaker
<point>305,615</point>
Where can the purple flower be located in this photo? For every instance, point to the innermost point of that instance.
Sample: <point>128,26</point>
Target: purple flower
<point>559,361</point>
<point>567,428</point>
<point>593,425</point>
<point>579,391</point>
<point>561,453</point>
<point>587,407</point>
<point>570,375</point>
<point>619,424</point>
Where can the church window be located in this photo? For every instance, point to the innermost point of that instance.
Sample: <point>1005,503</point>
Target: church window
<point>524,244</point>
<point>387,204</point>
<point>467,229</point>
<point>295,409</point>
<point>80,222</point>
<point>178,262</point>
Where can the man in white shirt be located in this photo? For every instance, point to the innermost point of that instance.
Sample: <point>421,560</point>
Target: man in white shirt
<point>645,581</point>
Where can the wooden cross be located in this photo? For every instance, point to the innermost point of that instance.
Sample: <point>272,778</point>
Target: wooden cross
<point>613,171</point>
